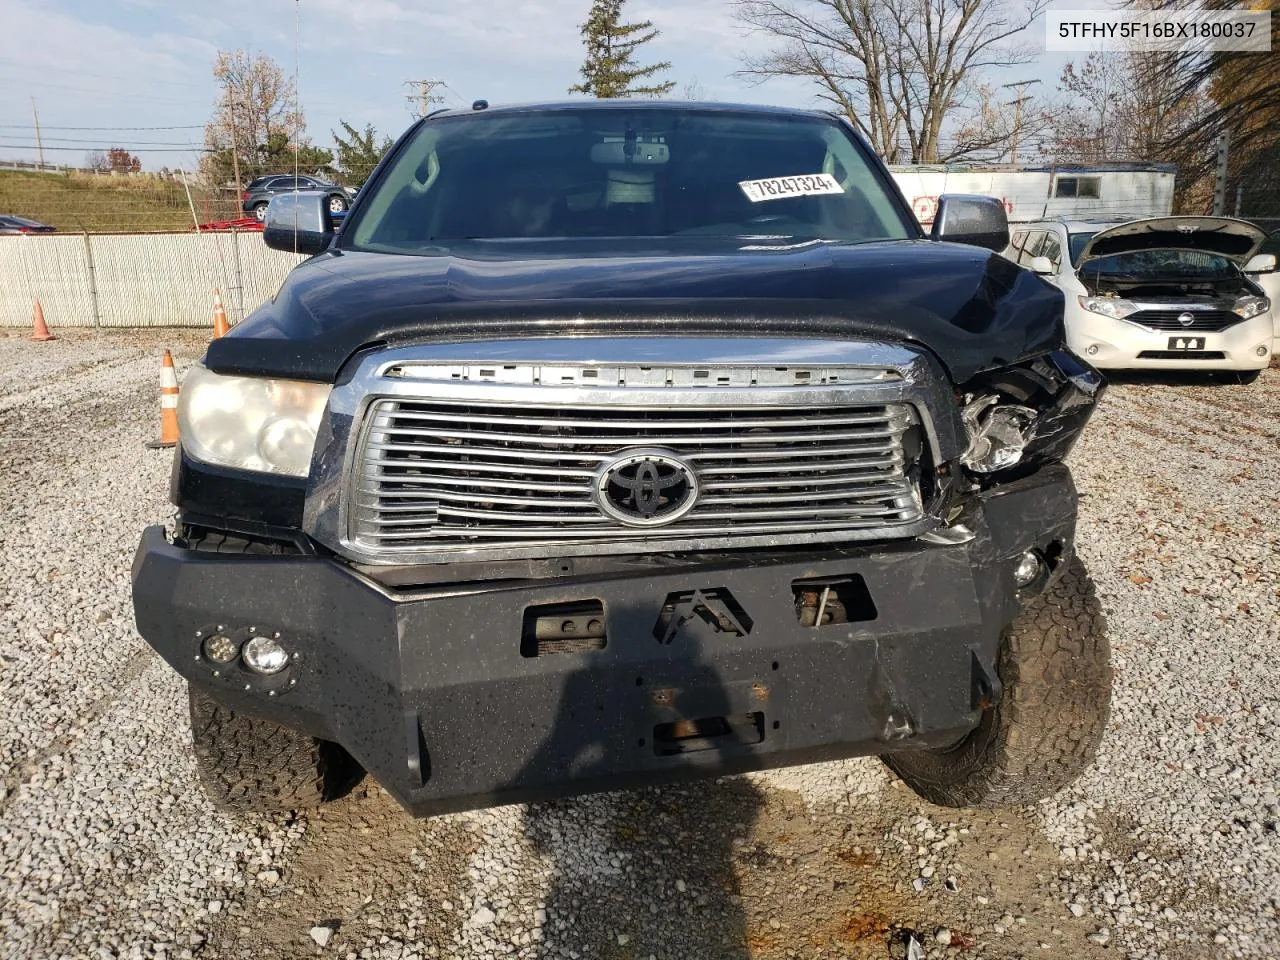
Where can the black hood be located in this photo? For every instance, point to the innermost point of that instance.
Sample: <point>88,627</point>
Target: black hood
<point>973,309</point>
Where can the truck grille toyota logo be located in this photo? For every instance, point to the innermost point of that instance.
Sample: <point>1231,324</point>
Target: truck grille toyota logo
<point>646,488</point>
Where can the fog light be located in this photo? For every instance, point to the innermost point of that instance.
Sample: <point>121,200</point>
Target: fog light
<point>1093,350</point>
<point>221,649</point>
<point>263,655</point>
<point>1261,351</point>
<point>1027,570</point>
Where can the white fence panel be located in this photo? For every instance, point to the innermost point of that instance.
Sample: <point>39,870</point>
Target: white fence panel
<point>55,269</point>
<point>141,280</point>
<point>262,269</point>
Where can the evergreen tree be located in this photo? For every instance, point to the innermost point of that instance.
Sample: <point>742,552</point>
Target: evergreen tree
<point>359,152</point>
<point>610,69</point>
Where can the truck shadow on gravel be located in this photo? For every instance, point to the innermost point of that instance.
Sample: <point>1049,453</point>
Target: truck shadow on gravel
<point>649,871</point>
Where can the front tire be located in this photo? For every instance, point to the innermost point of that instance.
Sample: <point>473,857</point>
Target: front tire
<point>247,764</point>
<point>1055,664</point>
<point>337,204</point>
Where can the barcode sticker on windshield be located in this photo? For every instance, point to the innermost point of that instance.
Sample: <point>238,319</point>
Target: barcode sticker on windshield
<point>779,188</point>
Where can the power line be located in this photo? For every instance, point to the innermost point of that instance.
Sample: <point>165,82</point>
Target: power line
<point>27,65</point>
<point>136,143</point>
<point>45,126</point>
<point>32,146</point>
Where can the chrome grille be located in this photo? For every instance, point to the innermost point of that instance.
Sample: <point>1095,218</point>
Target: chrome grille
<point>1210,320</point>
<point>442,477</point>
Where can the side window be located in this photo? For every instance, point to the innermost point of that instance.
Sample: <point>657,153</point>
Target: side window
<point>1015,245</point>
<point>1032,247</point>
<point>1052,248</point>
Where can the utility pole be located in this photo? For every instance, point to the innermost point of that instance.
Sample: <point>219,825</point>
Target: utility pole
<point>424,96</point>
<point>39,142</point>
<point>1020,85</point>
<point>1220,177</point>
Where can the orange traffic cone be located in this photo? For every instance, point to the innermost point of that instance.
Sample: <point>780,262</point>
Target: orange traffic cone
<point>40,329</point>
<point>168,405</point>
<point>220,325</point>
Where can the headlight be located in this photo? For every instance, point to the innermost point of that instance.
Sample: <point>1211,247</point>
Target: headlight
<point>251,423</point>
<point>998,434</point>
<point>1250,307</point>
<point>1112,307</point>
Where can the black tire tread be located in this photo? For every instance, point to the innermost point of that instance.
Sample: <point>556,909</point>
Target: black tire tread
<point>1055,664</point>
<point>246,763</point>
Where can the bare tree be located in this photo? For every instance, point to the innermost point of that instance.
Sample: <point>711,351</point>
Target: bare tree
<point>1123,106</point>
<point>693,90</point>
<point>1242,101</point>
<point>900,70</point>
<point>255,124</point>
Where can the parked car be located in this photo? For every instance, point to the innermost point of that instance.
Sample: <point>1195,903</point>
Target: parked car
<point>11,224</point>
<point>1270,283</point>
<point>617,443</point>
<point>1164,293</point>
<point>257,195</point>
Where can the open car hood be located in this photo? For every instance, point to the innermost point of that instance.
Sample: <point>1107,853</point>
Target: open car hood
<point>1235,239</point>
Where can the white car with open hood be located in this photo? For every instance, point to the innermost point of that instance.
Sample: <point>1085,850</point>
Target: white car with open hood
<point>1168,292</point>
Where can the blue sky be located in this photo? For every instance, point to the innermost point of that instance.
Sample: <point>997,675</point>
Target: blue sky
<point>146,63</point>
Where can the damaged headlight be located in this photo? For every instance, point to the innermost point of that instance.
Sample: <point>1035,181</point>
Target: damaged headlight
<point>1028,414</point>
<point>998,433</point>
<point>251,423</point>
<point>1113,307</point>
<point>1250,307</point>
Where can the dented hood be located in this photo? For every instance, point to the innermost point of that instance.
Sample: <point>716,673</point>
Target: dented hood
<point>973,309</point>
<point>1228,237</point>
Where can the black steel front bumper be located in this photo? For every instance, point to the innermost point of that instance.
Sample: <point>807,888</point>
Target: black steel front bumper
<point>431,692</point>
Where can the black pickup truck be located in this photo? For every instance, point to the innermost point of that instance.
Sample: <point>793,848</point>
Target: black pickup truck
<point>618,443</point>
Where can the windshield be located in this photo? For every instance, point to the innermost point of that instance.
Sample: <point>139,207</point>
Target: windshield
<point>1076,243</point>
<point>1162,264</point>
<point>631,172</point>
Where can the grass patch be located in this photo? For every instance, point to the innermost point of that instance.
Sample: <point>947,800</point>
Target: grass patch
<point>109,204</point>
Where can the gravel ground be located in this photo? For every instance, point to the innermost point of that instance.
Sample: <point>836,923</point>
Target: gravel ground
<point>1167,848</point>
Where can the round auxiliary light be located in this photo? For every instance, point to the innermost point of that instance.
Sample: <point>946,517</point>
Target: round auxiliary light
<point>1093,350</point>
<point>1027,570</point>
<point>263,655</point>
<point>1261,351</point>
<point>221,649</point>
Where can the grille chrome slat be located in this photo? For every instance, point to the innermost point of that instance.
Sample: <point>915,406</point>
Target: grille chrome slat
<point>699,424</point>
<point>628,537</point>
<point>774,497</point>
<point>620,442</point>
<point>442,477</point>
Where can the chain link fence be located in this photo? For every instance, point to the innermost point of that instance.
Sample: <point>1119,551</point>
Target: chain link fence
<point>137,280</point>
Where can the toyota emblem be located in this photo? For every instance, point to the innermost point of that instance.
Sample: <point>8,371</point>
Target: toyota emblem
<point>1186,319</point>
<point>646,488</point>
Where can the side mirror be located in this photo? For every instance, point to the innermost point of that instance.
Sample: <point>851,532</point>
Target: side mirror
<point>298,223</point>
<point>977,221</point>
<point>1262,263</point>
<point>1040,265</point>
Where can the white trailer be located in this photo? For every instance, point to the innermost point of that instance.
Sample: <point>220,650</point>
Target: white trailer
<point>1131,190</point>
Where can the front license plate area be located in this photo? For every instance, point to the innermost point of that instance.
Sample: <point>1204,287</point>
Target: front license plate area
<point>1186,343</point>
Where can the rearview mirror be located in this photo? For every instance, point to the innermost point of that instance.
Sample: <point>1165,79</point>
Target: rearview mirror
<point>298,223</point>
<point>1040,265</point>
<point>977,221</point>
<point>1262,263</point>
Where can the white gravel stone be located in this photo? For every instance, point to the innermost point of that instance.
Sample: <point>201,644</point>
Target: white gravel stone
<point>321,935</point>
